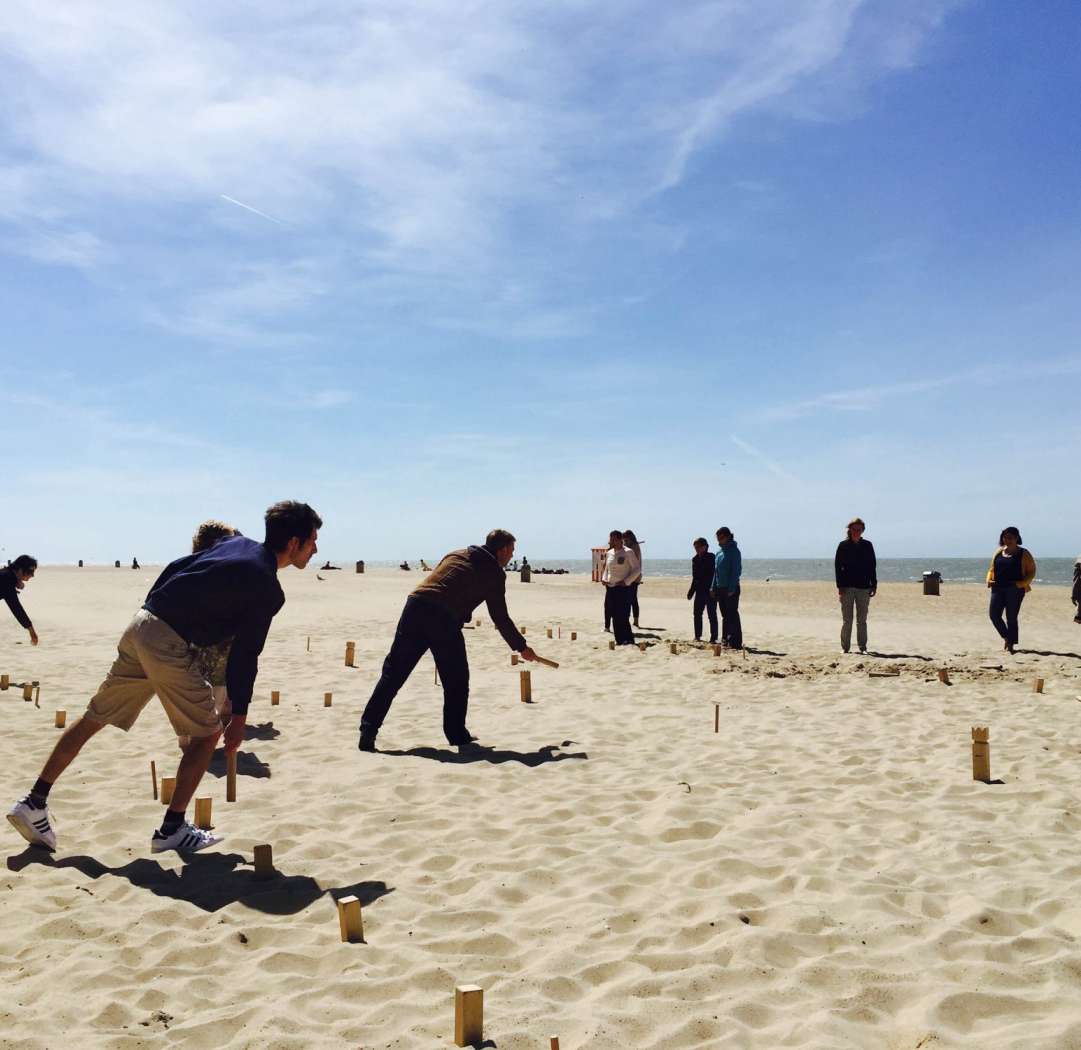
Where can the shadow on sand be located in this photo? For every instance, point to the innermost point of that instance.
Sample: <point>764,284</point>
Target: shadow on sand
<point>247,765</point>
<point>494,756</point>
<point>1047,652</point>
<point>210,881</point>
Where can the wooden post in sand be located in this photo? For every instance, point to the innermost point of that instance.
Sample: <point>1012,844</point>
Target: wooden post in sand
<point>168,784</point>
<point>154,778</point>
<point>468,1015</point>
<point>981,754</point>
<point>203,809</point>
<point>230,776</point>
<point>350,654</point>
<point>526,687</point>
<point>553,1042</point>
<point>350,921</point>
<point>275,697</point>
<point>37,694</point>
<point>264,863</point>
<point>716,648</point>
<point>61,719</point>
<point>5,681</point>
<point>1037,685</point>
<point>574,636</point>
<point>548,631</point>
<point>513,659</point>
<point>944,676</point>
<point>673,648</point>
<point>611,644</point>
<point>28,691</point>
<point>521,630</point>
<point>309,646</point>
<point>328,699</point>
<point>716,718</point>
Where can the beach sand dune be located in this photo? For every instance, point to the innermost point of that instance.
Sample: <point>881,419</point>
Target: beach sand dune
<point>823,872</point>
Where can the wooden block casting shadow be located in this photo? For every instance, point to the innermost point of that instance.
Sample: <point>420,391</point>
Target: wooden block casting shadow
<point>203,809</point>
<point>642,647</point>
<point>167,786</point>
<point>230,777</point>
<point>526,687</point>
<point>468,1015</point>
<point>275,697</point>
<point>553,1042</point>
<point>61,719</point>
<point>716,650</point>
<point>350,654</point>
<point>28,691</point>
<point>328,699</point>
<point>611,645</point>
<point>673,648</point>
<point>981,754</point>
<point>1037,685</point>
<point>350,920</point>
<point>513,659</point>
<point>574,636</point>
<point>944,676</point>
<point>264,867</point>
<point>548,631</point>
<point>5,682</point>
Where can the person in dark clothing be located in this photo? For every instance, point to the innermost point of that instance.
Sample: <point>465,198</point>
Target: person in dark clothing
<point>432,619</point>
<point>702,567</point>
<point>12,580</point>
<point>632,543</point>
<point>728,568</point>
<point>621,569</point>
<point>856,573</point>
<point>1075,594</point>
<point>1010,578</point>
<point>230,590</point>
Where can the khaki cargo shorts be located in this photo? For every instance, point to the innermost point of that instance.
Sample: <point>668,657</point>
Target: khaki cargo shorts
<point>153,658</point>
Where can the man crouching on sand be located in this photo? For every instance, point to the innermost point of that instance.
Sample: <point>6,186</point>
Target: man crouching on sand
<point>432,619</point>
<point>228,591</point>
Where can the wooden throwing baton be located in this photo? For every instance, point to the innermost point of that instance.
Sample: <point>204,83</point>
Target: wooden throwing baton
<point>547,663</point>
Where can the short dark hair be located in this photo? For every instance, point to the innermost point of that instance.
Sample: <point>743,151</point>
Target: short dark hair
<point>25,563</point>
<point>724,530</point>
<point>700,542</point>
<point>289,520</point>
<point>1009,528</point>
<point>616,532</point>
<point>497,539</point>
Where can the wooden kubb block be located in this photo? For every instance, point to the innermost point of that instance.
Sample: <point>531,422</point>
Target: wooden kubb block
<point>264,864</point>
<point>275,697</point>
<point>981,754</point>
<point>167,786</point>
<point>468,1015</point>
<point>526,687</point>
<point>61,719</point>
<point>513,659</point>
<point>548,631</point>
<point>328,699</point>
<point>350,921</point>
<point>5,681</point>
<point>1037,685</point>
<point>611,645</point>
<point>28,691</point>
<point>350,654</point>
<point>574,636</point>
<point>203,812</point>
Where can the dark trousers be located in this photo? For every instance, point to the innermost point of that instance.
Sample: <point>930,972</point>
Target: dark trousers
<point>1006,601</point>
<point>634,601</point>
<point>423,626</point>
<point>731,627</point>
<point>607,607</point>
<point>619,600</point>
<point>704,600</point>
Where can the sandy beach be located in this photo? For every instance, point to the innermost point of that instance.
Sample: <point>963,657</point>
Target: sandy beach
<point>823,872</point>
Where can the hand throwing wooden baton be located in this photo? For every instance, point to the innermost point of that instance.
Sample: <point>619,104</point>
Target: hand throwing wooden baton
<point>547,663</point>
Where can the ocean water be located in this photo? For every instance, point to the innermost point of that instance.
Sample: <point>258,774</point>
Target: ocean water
<point>890,570</point>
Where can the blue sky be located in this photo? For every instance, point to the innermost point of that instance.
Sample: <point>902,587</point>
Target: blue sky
<point>560,266</point>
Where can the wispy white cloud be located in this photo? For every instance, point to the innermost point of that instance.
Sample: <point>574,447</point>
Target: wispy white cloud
<point>389,135</point>
<point>770,464</point>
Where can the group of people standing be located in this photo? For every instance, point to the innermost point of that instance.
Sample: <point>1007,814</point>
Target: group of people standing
<point>715,586</point>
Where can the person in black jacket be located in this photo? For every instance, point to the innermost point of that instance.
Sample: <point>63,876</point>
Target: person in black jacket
<point>856,573</point>
<point>702,566</point>
<point>12,580</point>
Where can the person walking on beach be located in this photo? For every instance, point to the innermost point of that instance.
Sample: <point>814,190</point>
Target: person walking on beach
<point>856,573</point>
<point>1010,578</point>
<point>432,619</point>
<point>703,565</point>
<point>12,580</point>
<point>228,591</point>
<point>1075,594</point>
<point>630,541</point>
<point>728,567</point>
<point>621,569</point>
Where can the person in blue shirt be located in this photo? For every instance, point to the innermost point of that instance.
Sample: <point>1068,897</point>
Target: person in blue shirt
<point>228,591</point>
<point>728,567</point>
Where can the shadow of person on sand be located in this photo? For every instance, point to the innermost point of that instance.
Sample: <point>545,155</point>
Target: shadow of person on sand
<point>761,652</point>
<point>494,756</point>
<point>1047,652</point>
<point>898,656</point>
<point>261,731</point>
<point>210,881</point>
<point>247,765</point>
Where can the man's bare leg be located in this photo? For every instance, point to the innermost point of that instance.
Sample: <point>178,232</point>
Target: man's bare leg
<point>193,765</point>
<point>68,746</point>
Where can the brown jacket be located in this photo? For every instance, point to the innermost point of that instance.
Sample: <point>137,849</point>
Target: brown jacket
<point>464,579</point>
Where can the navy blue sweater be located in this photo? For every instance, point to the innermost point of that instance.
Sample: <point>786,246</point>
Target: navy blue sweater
<point>9,592</point>
<point>229,591</point>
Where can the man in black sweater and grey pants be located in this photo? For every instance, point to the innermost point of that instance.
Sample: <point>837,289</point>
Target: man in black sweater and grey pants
<point>857,581</point>
<point>702,566</point>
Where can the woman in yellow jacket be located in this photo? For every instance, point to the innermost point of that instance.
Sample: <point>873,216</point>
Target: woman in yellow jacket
<point>1010,578</point>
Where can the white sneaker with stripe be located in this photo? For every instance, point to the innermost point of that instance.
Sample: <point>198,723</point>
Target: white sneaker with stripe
<point>186,839</point>
<point>32,823</point>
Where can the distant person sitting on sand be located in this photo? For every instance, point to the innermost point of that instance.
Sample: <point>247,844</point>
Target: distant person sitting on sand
<point>432,619</point>
<point>405,566</point>
<point>631,542</point>
<point>856,573</point>
<point>702,566</point>
<point>726,575</point>
<point>1010,578</point>
<point>1075,594</point>
<point>228,591</point>
<point>12,580</point>
<point>329,568</point>
<point>620,572</point>
<point>424,566</point>
<point>135,563</point>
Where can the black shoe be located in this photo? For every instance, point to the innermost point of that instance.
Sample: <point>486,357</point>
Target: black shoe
<point>367,740</point>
